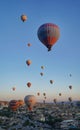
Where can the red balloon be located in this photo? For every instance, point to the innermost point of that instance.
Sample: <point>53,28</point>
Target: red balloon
<point>29,84</point>
<point>13,105</point>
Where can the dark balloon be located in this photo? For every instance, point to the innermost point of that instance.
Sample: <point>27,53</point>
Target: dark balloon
<point>70,99</point>
<point>13,88</point>
<point>60,94</point>
<point>38,94</point>
<point>29,84</point>
<point>70,87</point>
<point>41,74</point>
<point>51,81</point>
<point>44,94</point>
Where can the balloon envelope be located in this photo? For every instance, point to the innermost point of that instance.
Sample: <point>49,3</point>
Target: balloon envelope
<point>28,62</point>
<point>42,67</point>
<point>70,99</point>
<point>70,87</point>
<point>13,88</point>
<point>30,101</point>
<point>60,94</point>
<point>44,94</point>
<point>23,18</point>
<point>41,74</point>
<point>48,34</point>
<point>13,105</point>
<point>51,81</point>
<point>29,84</point>
<point>29,44</point>
<point>38,93</point>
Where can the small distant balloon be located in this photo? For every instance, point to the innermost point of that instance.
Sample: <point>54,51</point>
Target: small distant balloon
<point>42,67</point>
<point>70,86</point>
<point>55,100</point>
<point>23,18</point>
<point>38,94</point>
<point>70,75</point>
<point>60,94</point>
<point>29,44</point>
<point>41,74</point>
<point>13,88</point>
<point>70,99</point>
<point>29,84</point>
<point>28,62</point>
<point>44,94</point>
<point>51,81</point>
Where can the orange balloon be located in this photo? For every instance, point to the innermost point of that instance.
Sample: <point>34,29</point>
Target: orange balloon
<point>23,18</point>
<point>28,62</point>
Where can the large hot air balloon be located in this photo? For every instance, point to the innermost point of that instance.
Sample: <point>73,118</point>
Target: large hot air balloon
<point>13,105</point>
<point>29,84</point>
<point>28,62</point>
<point>30,101</point>
<point>48,34</point>
<point>70,86</point>
<point>23,18</point>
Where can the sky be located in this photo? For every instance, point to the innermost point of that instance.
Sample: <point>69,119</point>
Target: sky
<point>59,63</point>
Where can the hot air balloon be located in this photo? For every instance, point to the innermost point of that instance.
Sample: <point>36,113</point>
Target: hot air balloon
<point>30,101</point>
<point>70,87</point>
<point>42,67</point>
<point>13,88</point>
<point>51,81</point>
<point>29,44</point>
<point>23,18</point>
<point>60,94</point>
<point>29,84</point>
<point>48,34</point>
<point>70,99</point>
<point>38,94</point>
<point>13,105</point>
<point>28,62</point>
<point>44,94</point>
<point>70,75</point>
<point>41,74</point>
<point>55,100</point>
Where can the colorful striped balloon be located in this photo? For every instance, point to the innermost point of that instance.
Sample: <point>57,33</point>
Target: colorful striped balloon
<point>48,34</point>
